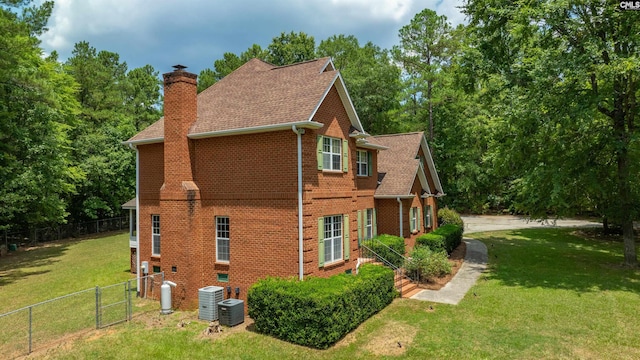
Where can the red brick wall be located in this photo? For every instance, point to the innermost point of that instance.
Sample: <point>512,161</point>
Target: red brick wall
<point>328,192</point>
<point>252,179</point>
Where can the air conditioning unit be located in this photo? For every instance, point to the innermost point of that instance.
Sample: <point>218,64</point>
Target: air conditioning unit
<point>231,312</point>
<point>208,299</point>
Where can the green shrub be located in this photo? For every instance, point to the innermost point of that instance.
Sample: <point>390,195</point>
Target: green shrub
<point>317,312</point>
<point>431,240</point>
<point>425,264</point>
<point>452,236</point>
<point>446,237</point>
<point>449,216</point>
<point>383,245</point>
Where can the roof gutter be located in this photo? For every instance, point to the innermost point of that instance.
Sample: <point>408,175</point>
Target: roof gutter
<point>143,142</point>
<point>393,196</point>
<point>299,133</point>
<point>306,124</point>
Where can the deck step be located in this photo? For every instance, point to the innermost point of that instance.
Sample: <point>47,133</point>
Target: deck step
<point>410,293</point>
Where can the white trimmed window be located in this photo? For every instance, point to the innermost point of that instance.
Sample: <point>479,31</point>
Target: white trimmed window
<point>331,153</point>
<point>413,224</point>
<point>428,216</point>
<point>368,224</point>
<point>222,239</point>
<point>332,238</point>
<point>155,231</point>
<point>362,163</point>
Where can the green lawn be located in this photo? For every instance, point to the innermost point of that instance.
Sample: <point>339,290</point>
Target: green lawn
<point>35,275</point>
<point>60,268</point>
<point>547,295</point>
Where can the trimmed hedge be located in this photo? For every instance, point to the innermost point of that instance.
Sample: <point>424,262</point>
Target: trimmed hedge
<point>317,312</point>
<point>446,237</point>
<point>394,242</point>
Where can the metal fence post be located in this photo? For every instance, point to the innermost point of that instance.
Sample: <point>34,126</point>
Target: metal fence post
<point>30,328</point>
<point>97,307</point>
<point>126,300</point>
<point>130,304</point>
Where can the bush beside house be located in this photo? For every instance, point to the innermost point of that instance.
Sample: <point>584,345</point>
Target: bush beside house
<point>317,312</point>
<point>446,237</point>
<point>425,264</point>
<point>389,247</point>
<point>450,216</point>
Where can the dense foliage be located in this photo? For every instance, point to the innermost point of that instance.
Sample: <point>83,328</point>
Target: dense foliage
<point>425,264</point>
<point>530,108</point>
<point>317,312</point>
<point>445,238</point>
<point>449,216</point>
<point>389,247</point>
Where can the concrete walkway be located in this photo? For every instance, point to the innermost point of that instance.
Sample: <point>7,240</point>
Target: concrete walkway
<point>475,262</point>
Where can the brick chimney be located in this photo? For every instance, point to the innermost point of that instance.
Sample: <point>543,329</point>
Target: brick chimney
<point>180,112</point>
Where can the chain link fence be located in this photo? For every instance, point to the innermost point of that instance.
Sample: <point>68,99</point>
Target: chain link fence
<point>40,325</point>
<point>35,236</point>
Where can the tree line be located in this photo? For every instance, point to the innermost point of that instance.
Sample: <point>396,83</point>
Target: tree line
<point>529,109</point>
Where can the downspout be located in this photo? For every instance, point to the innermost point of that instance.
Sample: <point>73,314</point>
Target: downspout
<point>299,133</point>
<point>400,211</point>
<point>133,147</point>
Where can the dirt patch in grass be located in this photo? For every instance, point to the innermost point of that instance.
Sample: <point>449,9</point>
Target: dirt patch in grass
<point>455,259</point>
<point>392,339</point>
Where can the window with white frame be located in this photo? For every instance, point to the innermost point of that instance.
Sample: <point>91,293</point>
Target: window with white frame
<point>362,162</point>
<point>331,153</point>
<point>155,231</point>
<point>368,224</point>
<point>413,224</point>
<point>427,216</point>
<point>332,238</point>
<point>222,239</point>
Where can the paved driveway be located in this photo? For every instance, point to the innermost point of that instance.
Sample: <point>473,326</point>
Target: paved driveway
<point>479,223</point>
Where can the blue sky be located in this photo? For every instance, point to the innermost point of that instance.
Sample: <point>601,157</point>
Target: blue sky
<point>197,32</point>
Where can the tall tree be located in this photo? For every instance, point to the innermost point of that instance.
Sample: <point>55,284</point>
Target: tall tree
<point>570,125</point>
<point>291,48</point>
<point>228,63</point>
<point>115,105</point>
<point>37,108</point>
<point>425,47</point>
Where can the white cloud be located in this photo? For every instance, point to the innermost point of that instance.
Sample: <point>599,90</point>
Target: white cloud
<point>385,9</point>
<point>197,32</point>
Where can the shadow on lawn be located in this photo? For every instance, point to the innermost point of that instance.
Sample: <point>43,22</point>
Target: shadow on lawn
<point>552,258</point>
<point>16,265</point>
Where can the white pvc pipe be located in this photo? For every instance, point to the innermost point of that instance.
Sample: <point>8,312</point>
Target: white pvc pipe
<point>400,210</point>
<point>137,216</point>
<point>299,133</point>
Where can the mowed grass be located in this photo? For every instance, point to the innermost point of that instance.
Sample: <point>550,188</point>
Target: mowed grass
<point>547,294</point>
<point>31,276</point>
<point>59,268</point>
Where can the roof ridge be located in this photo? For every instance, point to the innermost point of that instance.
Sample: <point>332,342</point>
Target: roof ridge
<point>399,134</point>
<point>298,63</point>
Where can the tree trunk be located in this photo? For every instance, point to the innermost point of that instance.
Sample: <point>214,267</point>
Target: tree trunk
<point>623,180</point>
<point>429,86</point>
<point>605,225</point>
<point>630,257</point>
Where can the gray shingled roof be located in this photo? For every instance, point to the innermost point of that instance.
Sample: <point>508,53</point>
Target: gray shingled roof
<point>398,165</point>
<point>257,94</point>
<point>131,204</point>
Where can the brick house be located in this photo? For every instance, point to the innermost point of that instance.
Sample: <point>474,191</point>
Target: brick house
<point>269,172</point>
